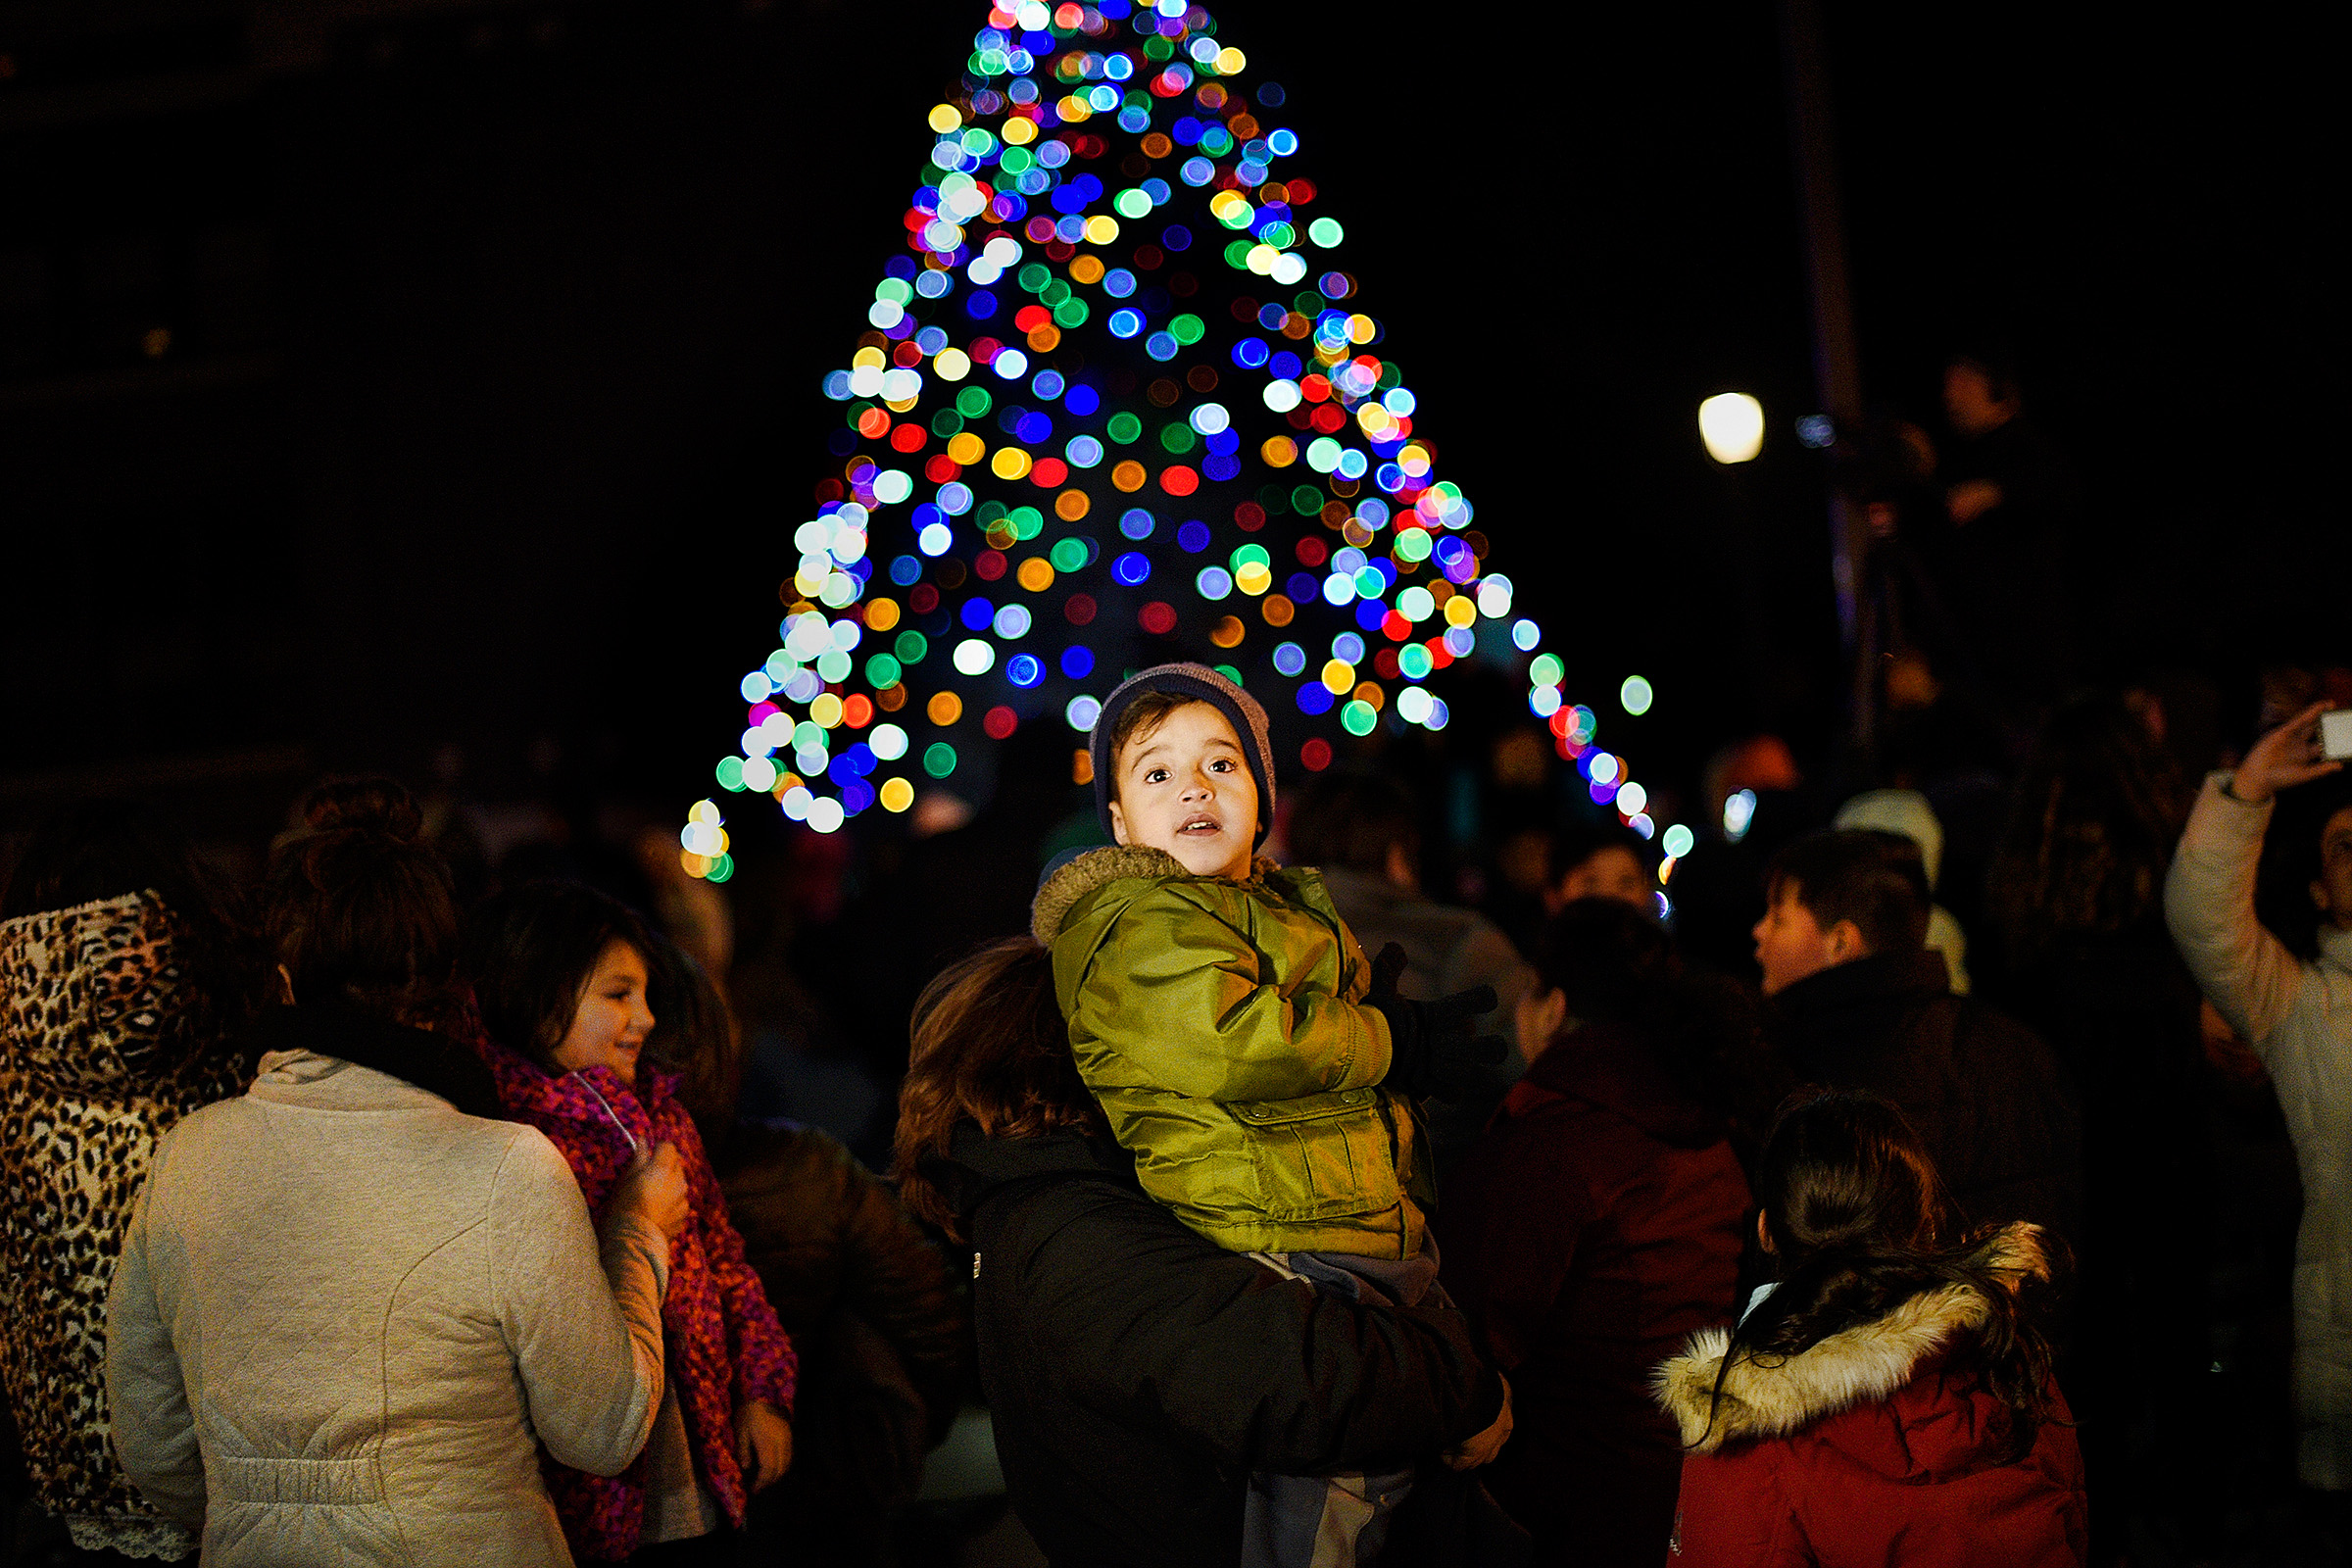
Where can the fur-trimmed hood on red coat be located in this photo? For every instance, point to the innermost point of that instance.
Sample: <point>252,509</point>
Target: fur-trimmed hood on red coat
<point>1876,1446</point>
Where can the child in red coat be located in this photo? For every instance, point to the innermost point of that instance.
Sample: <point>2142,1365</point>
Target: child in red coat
<point>1884,1402</point>
<point>562,975</point>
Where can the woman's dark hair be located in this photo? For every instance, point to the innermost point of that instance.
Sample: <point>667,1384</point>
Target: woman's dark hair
<point>1615,965</point>
<point>2290,861</point>
<point>988,1047</point>
<point>2095,817</point>
<point>358,909</point>
<point>1859,1223</point>
<point>530,953</point>
<point>90,851</point>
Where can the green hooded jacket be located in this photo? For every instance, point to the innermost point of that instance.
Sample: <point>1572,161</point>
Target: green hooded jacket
<point>1223,1027</point>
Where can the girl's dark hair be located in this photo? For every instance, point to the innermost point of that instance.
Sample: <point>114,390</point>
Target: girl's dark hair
<point>989,1046</point>
<point>2091,833</point>
<point>1859,1224</point>
<point>1615,965</point>
<point>92,850</point>
<point>694,1035</point>
<point>530,953</point>
<point>360,909</point>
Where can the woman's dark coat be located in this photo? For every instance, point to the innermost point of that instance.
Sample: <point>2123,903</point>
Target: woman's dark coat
<point>1137,1373</point>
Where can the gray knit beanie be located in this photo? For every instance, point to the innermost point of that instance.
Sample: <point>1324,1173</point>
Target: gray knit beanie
<point>1202,684</point>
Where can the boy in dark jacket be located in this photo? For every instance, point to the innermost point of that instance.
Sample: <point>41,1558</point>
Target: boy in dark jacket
<point>1859,1001</point>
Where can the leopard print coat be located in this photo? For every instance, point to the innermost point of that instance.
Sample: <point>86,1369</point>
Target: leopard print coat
<point>104,1043</point>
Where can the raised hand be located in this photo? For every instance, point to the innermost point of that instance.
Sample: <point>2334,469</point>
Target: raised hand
<point>2287,756</point>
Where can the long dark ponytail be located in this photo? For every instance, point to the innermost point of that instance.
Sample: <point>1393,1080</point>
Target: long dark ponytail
<point>1858,1221</point>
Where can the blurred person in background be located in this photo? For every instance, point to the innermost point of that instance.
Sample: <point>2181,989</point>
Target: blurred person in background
<point>1886,1400</point>
<point>1760,764</point>
<point>1361,831</point>
<point>2084,958</point>
<point>351,1307</point>
<point>2295,1010</point>
<point>1907,814</point>
<point>561,975</point>
<point>122,981</point>
<point>953,891</point>
<point>1603,860</point>
<point>2011,499</point>
<point>1598,1222</point>
<point>1858,1002</point>
<point>865,1298</point>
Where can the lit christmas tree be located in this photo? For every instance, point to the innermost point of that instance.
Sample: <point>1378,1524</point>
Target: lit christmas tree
<point>1119,403</point>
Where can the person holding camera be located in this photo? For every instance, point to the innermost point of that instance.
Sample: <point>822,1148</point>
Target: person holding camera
<point>2296,1010</point>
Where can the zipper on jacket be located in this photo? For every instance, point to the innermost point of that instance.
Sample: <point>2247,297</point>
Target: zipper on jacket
<point>635,1148</point>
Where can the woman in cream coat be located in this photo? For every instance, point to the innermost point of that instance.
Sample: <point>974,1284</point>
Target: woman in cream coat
<point>348,1312</point>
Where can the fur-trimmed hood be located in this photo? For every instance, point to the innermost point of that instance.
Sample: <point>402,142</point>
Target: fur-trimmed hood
<point>1073,879</point>
<point>1866,1363</point>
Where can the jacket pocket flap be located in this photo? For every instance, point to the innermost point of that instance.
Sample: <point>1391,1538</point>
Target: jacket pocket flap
<point>1306,1107</point>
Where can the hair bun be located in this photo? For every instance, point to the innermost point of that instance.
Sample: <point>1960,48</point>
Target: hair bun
<point>378,806</point>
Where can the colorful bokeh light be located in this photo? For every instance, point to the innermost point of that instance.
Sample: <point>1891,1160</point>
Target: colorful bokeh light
<point>1119,399</point>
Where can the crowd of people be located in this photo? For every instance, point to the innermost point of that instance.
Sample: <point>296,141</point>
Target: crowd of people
<point>1944,1166</point>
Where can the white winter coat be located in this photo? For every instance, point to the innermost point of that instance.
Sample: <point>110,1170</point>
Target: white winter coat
<point>346,1316</point>
<point>2298,1016</point>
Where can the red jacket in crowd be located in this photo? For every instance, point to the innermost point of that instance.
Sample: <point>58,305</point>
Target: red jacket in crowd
<point>1594,1227</point>
<point>1872,1448</point>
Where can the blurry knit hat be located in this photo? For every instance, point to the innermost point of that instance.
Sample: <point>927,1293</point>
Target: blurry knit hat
<point>1905,813</point>
<point>1195,683</point>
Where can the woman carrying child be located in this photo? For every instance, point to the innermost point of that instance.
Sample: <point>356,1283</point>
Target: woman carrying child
<point>560,974</point>
<point>1137,1373</point>
<point>1263,1074</point>
<point>1886,1399</point>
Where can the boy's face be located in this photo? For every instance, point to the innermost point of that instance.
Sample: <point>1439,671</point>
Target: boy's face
<point>1791,945</point>
<point>1185,788</point>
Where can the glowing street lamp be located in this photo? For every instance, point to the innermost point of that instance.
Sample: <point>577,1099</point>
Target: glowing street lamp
<point>1731,424</point>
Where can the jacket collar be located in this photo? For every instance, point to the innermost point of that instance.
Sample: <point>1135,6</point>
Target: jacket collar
<point>1864,1364</point>
<point>2335,946</point>
<point>432,1062</point>
<point>1611,1066</point>
<point>977,1166</point>
<point>1066,883</point>
<point>597,1096</point>
<point>1900,978</point>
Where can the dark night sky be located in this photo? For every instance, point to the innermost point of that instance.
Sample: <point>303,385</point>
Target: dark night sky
<point>491,395</point>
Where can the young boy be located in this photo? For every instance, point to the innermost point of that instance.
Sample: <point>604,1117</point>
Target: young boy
<point>1257,1068</point>
<point>1218,1006</point>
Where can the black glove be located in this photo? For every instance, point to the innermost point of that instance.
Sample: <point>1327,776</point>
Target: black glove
<point>1434,1052</point>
